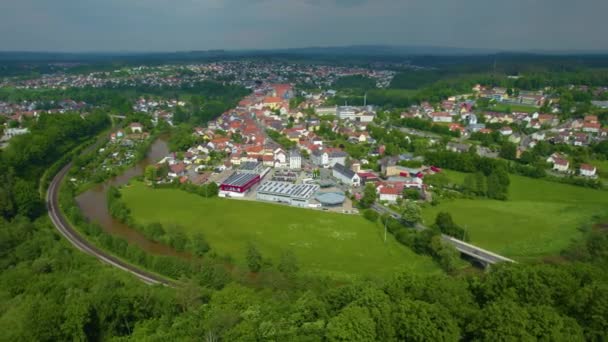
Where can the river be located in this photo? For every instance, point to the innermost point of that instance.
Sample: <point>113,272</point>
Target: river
<point>93,205</point>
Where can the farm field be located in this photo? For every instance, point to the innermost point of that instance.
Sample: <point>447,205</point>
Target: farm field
<point>540,218</point>
<point>328,244</point>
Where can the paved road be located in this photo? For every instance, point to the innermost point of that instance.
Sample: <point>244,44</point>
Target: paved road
<point>64,227</point>
<point>480,254</point>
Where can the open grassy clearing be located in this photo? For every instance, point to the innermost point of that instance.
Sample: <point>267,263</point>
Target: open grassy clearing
<point>602,167</point>
<point>540,217</point>
<point>337,245</point>
<point>504,107</point>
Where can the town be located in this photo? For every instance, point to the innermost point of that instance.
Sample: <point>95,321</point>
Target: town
<point>312,140</point>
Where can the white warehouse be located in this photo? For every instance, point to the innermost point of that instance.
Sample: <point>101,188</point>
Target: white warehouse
<point>297,195</point>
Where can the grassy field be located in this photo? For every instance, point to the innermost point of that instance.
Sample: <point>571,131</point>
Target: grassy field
<point>503,107</point>
<point>337,245</point>
<point>602,167</point>
<point>540,218</point>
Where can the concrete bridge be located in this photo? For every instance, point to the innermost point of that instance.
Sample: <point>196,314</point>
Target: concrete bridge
<point>484,257</point>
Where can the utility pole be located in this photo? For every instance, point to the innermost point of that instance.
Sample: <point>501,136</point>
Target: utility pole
<point>385,220</point>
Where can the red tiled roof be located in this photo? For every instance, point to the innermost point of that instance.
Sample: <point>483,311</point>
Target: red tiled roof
<point>271,99</point>
<point>592,125</point>
<point>178,168</point>
<point>388,190</point>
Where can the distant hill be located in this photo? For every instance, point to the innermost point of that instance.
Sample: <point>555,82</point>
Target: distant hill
<point>350,51</point>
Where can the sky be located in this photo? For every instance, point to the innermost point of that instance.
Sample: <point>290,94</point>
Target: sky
<point>183,25</point>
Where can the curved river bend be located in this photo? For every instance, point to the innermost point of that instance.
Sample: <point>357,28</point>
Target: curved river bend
<point>93,204</point>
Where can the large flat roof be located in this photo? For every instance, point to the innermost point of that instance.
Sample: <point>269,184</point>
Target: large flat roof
<point>239,179</point>
<point>299,191</point>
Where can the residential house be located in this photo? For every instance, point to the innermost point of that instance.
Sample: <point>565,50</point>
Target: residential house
<point>581,139</point>
<point>388,166</point>
<point>587,170</point>
<point>136,127</point>
<point>280,158</point>
<point>561,165</point>
<point>441,117</point>
<point>591,118</point>
<point>177,170</point>
<point>515,138</point>
<point>476,127</point>
<point>295,160</point>
<point>328,157</point>
<point>346,175</point>
<point>591,127</point>
<point>389,193</point>
<point>458,147</point>
<point>552,158</point>
<point>506,131</point>
<point>539,136</point>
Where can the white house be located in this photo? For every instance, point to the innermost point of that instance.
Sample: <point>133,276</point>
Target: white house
<point>539,136</point>
<point>346,175</point>
<point>389,193</point>
<point>441,117</point>
<point>506,130</point>
<point>328,158</point>
<point>295,160</point>
<point>280,157</point>
<point>561,165</point>
<point>136,127</point>
<point>587,170</point>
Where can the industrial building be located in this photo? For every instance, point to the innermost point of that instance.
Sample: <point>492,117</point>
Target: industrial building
<point>238,184</point>
<point>360,114</point>
<point>248,175</point>
<point>297,195</point>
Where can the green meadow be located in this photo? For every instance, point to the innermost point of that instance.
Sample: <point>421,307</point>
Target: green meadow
<point>540,218</point>
<point>328,244</point>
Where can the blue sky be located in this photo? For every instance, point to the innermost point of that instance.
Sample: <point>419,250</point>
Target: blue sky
<point>173,25</point>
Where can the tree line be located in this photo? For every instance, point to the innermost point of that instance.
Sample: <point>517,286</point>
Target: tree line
<point>27,156</point>
<point>85,301</point>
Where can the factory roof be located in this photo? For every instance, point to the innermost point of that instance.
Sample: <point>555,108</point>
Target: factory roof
<point>239,179</point>
<point>299,191</point>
